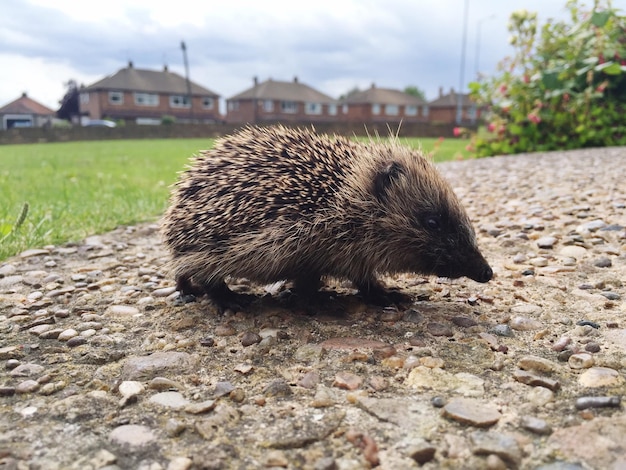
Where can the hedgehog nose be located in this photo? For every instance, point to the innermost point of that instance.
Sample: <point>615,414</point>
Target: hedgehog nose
<point>485,275</point>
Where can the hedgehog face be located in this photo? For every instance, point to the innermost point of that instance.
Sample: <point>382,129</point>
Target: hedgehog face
<point>432,233</point>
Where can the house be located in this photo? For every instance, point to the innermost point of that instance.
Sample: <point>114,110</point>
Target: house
<point>25,112</point>
<point>383,105</point>
<point>279,101</point>
<point>146,96</point>
<point>444,109</point>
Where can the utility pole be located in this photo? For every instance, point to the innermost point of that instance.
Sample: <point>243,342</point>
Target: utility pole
<point>459,96</point>
<point>184,48</point>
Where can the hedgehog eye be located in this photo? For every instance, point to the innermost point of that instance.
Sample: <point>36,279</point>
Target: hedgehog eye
<point>432,222</point>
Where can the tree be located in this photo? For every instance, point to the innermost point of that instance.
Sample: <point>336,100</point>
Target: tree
<point>349,93</point>
<point>69,104</point>
<point>415,91</point>
<point>563,88</point>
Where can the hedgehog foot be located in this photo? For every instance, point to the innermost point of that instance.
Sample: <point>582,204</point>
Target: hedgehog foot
<point>375,293</point>
<point>218,292</point>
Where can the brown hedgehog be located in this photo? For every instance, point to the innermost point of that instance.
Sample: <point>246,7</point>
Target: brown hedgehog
<point>272,204</point>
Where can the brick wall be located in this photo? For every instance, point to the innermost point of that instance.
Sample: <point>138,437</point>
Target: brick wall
<point>42,135</point>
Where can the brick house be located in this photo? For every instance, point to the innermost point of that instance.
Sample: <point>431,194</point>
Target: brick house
<point>383,105</point>
<point>145,96</point>
<point>279,101</point>
<point>444,108</point>
<point>25,112</point>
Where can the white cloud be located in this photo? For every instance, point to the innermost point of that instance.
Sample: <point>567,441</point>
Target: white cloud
<point>332,45</point>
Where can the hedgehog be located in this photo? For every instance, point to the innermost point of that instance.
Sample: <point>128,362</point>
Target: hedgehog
<point>276,204</point>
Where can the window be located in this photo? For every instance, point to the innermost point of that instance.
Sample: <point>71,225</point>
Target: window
<point>116,97</point>
<point>268,106</point>
<point>375,109</point>
<point>313,108</point>
<point>425,111</point>
<point>344,109</point>
<point>410,110</point>
<point>289,107</point>
<point>146,99</point>
<point>332,109</point>
<point>207,102</point>
<point>180,101</point>
<point>84,98</point>
<point>391,109</point>
<point>233,105</point>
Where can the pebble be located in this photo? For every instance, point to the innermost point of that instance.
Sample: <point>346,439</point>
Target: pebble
<point>502,330</point>
<point>603,263</point>
<point>598,402</point>
<point>537,364</point>
<point>201,407</point>
<point>561,343</point>
<point>164,291</point>
<point>538,262</point>
<point>132,435</point>
<point>129,388</point>
<point>439,329</point>
<point>163,383</point>
<point>546,242</point>
<point>122,310</point>
<point>27,386</point>
<point>611,295</point>
<point>174,400</point>
<point>147,367</point>
<point>347,381</point>
<point>580,361</point>
<point>504,445</point>
<point>27,370</point>
<point>65,335</point>
<point>520,323</point>
<point>471,412</point>
<point>536,380</point>
<point>595,377</point>
<point>249,338</point>
<point>535,425</point>
<point>573,251</point>
<point>76,341</point>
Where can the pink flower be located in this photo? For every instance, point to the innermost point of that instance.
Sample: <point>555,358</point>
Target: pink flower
<point>533,117</point>
<point>566,97</point>
<point>440,139</point>
<point>456,131</point>
<point>602,86</point>
<point>469,148</point>
<point>491,127</point>
<point>503,89</point>
<point>526,79</point>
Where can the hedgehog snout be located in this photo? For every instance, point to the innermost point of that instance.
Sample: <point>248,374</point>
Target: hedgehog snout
<point>484,275</point>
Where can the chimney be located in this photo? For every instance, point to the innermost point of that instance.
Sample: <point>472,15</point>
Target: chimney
<point>440,92</point>
<point>256,80</point>
<point>295,79</point>
<point>373,85</point>
<point>130,64</point>
<point>165,68</point>
<point>24,95</point>
<point>452,91</point>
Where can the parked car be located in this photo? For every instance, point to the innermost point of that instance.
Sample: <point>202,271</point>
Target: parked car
<point>100,123</point>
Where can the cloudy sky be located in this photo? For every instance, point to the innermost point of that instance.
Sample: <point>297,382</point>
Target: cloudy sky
<point>332,45</point>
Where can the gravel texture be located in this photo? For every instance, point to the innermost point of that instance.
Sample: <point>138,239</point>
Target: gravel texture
<point>100,368</point>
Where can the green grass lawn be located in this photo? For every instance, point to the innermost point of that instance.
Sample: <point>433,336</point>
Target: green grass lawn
<point>77,189</point>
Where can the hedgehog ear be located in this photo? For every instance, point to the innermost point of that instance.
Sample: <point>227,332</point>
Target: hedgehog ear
<point>384,177</point>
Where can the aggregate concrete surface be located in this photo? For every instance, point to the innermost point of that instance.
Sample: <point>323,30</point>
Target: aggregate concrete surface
<point>101,368</point>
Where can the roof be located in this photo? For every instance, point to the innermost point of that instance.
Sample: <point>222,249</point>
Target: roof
<point>375,95</point>
<point>286,91</point>
<point>26,105</point>
<point>450,100</point>
<point>132,79</point>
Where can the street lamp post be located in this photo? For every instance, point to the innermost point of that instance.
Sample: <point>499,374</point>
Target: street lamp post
<point>459,95</point>
<point>477,58</point>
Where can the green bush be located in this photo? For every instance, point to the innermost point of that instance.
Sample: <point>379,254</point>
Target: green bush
<point>562,89</point>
